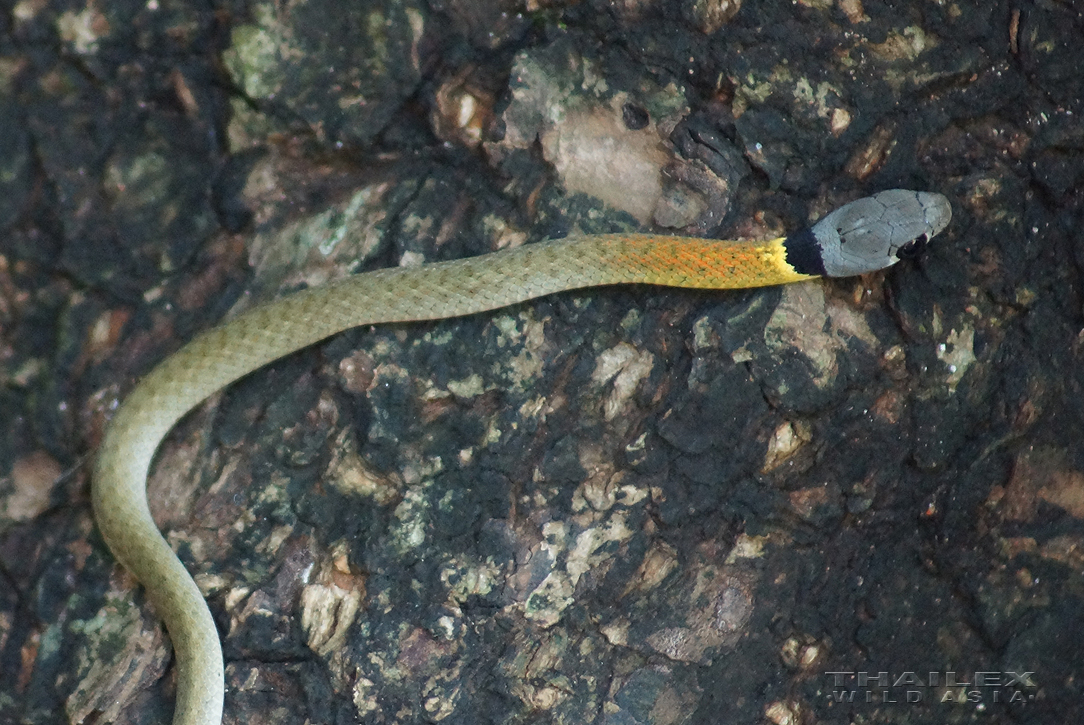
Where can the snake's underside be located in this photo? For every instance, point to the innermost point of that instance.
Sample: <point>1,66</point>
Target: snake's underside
<point>863,236</point>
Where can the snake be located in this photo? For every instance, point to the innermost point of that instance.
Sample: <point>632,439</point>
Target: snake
<point>863,236</point>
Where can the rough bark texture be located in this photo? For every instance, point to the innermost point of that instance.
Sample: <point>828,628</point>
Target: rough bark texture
<point>618,506</point>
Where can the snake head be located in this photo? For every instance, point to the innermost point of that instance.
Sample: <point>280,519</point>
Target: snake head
<point>879,230</point>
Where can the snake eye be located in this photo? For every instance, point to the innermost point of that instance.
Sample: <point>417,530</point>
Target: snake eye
<point>913,248</point>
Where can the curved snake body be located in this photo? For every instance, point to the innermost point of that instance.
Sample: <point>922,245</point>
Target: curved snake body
<point>862,236</point>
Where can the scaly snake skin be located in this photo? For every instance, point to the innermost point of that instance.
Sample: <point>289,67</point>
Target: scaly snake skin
<point>865,235</point>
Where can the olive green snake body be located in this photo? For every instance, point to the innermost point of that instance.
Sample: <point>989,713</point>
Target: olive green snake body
<point>863,236</point>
